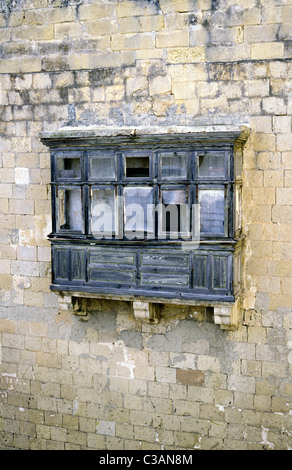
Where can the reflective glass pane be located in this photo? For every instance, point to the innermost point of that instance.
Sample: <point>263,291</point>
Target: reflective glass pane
<point>103,212</point>
<point>174,196</point>
<point>68,167</point>
<point>103,167</point>
<point>175,211</point>
<point>212,165</point>
<point>137,167</point>
<point>138,209</point>
<point>212,204</point>
<point>70,209</point>
<point>174,164</point>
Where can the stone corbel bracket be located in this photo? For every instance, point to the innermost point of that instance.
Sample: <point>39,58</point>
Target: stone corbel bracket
<point>146,311</point>
<point>76,305</point>
<point>227,316</point>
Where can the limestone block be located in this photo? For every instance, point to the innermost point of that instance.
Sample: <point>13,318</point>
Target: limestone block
<point>257,88</point>
<point>65,302</point>
<point>287,159</point>
<point>284,196</point>
<point>34,33</point>
<point>159,85</point>
<point>95,11</point>
<point>288,178</point>
<point>41,80</point>
<point>9,65</point>
<point>274,105</point>
<point>172,38</point>
<point>267,50</point>
<point>100,27</point>
<point>137,86</point>
<point>190,377</point>
<point>161,104</point>
<point>21,175</point>
<point>185,55</point>
<point>222,53</point>
<point>67,30</point>
<point>125,9</point>
<point>138,24</point>
<point>32,64</point>
<point>114,93</point>
<point>184,90</point>
<point>264,142</point>
<point>284,142</point>
<point>169,6</point>
<point>282,124</point>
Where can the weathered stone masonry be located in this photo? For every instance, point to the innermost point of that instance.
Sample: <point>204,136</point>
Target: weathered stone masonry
<point>105,380</point>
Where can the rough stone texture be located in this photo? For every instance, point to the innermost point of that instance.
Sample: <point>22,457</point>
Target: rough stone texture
<point>106,380</point>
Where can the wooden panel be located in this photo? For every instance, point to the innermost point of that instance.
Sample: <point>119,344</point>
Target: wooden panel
<point>78,265</point>
<point>158,259</point>
<point>200,271</point>
<point>164,279</point>
<point>114,276</point>
<point>165,269</point>
<point>200,274</point>
<point>116,257</point>
<point>61,264</point>
<point>220,272</point>
<point>112,267</point>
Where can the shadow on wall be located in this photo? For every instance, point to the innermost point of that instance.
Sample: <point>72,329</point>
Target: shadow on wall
<point>8,6</point>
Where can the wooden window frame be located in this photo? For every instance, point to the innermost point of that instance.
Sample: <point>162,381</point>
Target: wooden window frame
<point>151,268</point>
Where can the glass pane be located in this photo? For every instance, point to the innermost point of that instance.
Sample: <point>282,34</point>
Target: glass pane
<point>238,193</point>
<point>103,212</point>
<point>212,204</point>
<point>174,196</point>
<point>174,165</point>
<point>68,167</point>
<point>212,165</point>
<point>137,167</point>
<point>238,165</point>
<point>70,209</point>
<point>175,211</point>
<point>103,167</point>
<point>138,209</point>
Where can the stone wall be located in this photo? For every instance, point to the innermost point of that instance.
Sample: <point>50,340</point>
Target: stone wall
<point>106,380</point>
